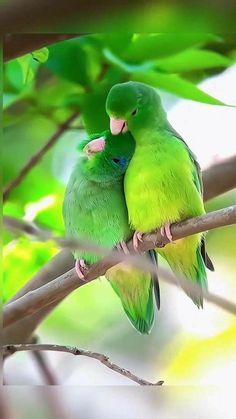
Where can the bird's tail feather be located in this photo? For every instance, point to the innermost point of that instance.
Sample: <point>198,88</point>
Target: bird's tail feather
<point>191,266</point>
<point>135,290</point>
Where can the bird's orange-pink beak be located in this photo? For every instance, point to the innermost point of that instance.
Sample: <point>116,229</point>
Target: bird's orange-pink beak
<point>95,146</point>
<point>118,126</point>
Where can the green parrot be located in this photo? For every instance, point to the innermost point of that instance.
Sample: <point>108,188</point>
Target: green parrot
<point>94,209</point>
<point>163,181</point>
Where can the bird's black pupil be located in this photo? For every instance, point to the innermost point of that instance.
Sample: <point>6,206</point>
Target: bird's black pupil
<point>134,112</point>
<point>116,160</point>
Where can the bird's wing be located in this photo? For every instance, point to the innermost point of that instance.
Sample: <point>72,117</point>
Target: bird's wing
<point>197,175</point>
<point>197,178</point>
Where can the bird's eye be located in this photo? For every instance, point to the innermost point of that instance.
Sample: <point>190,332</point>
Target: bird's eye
<point>134,112</point>
<point>120,161</point>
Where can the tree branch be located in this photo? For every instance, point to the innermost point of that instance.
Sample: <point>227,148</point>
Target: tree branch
<point>219,178</point>
<point>10,349</point>
<point>62,286</point>
<point>38,156</point>
<point>17,44</point>
<point>42,16</point>
<point>21,331</point>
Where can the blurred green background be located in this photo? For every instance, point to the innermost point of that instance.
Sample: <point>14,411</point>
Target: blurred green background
<point>41,90</point>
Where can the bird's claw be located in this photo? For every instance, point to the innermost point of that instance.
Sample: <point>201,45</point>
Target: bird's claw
<point>137,237</point>
<point>165,232</point>
<point>122,247</point>
<point>81,268</point>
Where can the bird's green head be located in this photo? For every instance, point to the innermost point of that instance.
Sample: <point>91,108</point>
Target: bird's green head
<point>104,158</point>
<point>133,106</point>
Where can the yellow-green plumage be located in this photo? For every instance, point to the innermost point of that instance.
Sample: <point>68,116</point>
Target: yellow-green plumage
<point>162,183</point>
<point>95,210</point>
<point>136,293</point>
<point>165,193</point>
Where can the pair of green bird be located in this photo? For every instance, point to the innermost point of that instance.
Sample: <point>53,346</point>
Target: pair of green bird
<point>133,179</point>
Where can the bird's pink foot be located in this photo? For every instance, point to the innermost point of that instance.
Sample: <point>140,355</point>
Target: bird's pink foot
<point>122,247</point>
<point>165,231</point>
<point>81,268</point>
<point>137,237</point>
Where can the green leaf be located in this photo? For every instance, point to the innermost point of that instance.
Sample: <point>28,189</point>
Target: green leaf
<point>152,46</point>
<point>8,99</point>
<point>13,75</point>
<point>73,100</point>
<point>41,55</point>
<point>192,59</point>
<point>93,108</point>
<point>22,258</point>
<point>115,41</point>
<point>77,60</point>
<point>176,85</point>
<point>28,67</point>
<point>126,67</point>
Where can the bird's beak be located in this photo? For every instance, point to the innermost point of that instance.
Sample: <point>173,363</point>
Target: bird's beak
<point>95,146</point>
<point>117,126</point>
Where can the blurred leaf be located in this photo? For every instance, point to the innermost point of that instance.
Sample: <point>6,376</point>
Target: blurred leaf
<point>13,209</point>
<point>220,347</point>
<point>152,46</point>
<point>128,68</point>
<point>77,60</point>
<point>29,68</point>
<point>97,308</point>
<point>13,74</point>
<point>8,99</point>
<point>93,108</point>
<point>40,55</point>
<point>22,258</point>
<point>176,85</point>
<point>73,100</point>
<point>115,41</point>
<point>192,59</point>
<point>51,217</point>
<point>171,83</point>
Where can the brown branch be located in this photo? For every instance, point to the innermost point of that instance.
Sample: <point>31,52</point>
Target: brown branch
<point>10,349</point>
<point>22,330</point>
<point>64,260</point>
<point>42,16</point>
<point>17,44</point>
<point>58,288</point>
<point>38,156</point>
<point>219,178</point>
<point>5,409</point>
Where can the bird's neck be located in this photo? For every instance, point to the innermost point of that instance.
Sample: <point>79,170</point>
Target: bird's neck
<point>154,135</point>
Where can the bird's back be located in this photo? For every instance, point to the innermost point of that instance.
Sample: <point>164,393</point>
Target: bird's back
<point>94,212</point>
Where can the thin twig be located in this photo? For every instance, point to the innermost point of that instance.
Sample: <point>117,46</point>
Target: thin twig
<point>42,363</point>
<point>38,156</point>
<point>10,349</point>
<point>62,286</point>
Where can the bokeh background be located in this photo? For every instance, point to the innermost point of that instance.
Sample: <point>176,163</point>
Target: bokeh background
<point>195,74</point>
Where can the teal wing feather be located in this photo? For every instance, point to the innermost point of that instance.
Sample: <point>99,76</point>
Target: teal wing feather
<point>156,287</point>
